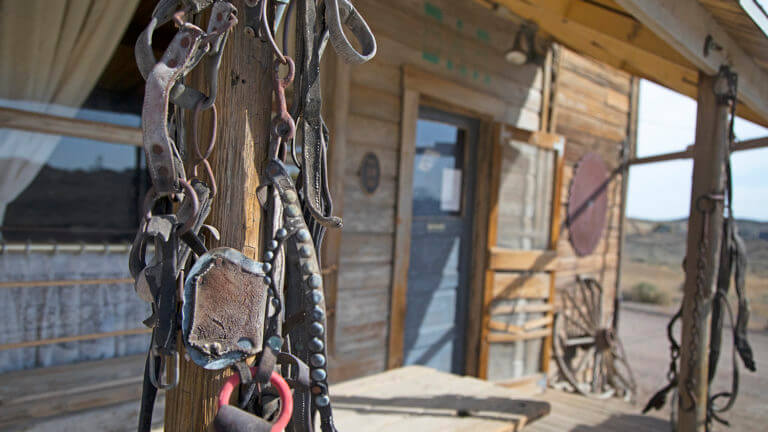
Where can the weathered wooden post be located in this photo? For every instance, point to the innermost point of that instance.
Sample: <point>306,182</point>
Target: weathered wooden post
<point>244,111</point>
<point>703,250</point>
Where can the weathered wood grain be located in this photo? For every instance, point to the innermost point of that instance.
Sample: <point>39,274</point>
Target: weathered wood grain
<point>244,108</point>
<point>419,398</point>
<point>520,285</point>
<point>49,124</point>
<point>374,103</point>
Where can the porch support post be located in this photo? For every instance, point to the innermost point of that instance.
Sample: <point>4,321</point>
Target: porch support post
<point>703,251</point>
<point>244,110</point>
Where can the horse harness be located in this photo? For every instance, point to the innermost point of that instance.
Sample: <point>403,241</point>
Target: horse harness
<point>232,309</point>
<point>733,264</point>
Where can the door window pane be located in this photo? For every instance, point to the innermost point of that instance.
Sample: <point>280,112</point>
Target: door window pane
<point>438,169</point>
<point>525,196</point>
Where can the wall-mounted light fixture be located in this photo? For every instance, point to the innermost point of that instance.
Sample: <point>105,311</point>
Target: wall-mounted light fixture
<point>523,49</point>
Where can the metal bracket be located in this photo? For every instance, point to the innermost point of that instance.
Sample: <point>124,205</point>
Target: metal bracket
<point>726,85</point>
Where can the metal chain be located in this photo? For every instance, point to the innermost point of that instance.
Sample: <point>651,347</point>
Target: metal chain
<point>201,158</point>
<point>701,293</point>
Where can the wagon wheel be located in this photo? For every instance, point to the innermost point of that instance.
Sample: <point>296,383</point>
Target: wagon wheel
<point>588,353</point>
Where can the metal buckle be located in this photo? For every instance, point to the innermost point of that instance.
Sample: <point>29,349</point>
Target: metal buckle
<point>158,380</point>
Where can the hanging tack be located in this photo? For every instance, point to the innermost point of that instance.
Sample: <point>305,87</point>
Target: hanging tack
<point>275,342</point>
<point>303,235</point>
<point>322,401</point>
<point>292,211</point>
<point>317,313</point>
<point>308,267</point>
<point>316,344</point>
<point>317,360</point>
<point>318,374</point>
<point>314,281</point>
<point>315,297</point>
<point>316,329</point>
<point>281,233</point>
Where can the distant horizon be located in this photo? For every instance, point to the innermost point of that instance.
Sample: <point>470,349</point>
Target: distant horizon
<point>661,191</point>
<point>685,218</point>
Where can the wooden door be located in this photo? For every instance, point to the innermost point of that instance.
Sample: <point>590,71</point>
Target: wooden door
<point>523,229</point>
<point>441,228</point>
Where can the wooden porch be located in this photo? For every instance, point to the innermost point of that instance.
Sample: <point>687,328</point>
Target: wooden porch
<point>104,396</point>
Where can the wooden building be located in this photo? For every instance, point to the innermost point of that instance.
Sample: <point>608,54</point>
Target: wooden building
<point>444,61</point>
<point>450,164</point>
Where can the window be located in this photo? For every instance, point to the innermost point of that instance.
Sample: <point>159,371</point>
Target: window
<point>83,190</point>
<point>64,176</point>
<point>525,196</point>
<point>438,165</point>
<point>71,171</point>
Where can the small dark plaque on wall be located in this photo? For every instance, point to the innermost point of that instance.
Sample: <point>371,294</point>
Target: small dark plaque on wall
<point>370,173</point>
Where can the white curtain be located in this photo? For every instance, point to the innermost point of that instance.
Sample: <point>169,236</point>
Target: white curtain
<point>52,53</point>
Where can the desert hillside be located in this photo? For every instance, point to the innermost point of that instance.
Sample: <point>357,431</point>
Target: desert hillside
<point>663,243</point>
<point>653,256</point>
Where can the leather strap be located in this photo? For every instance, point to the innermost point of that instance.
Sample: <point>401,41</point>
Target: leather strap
<point>233,419</point>
<point>340,13</point>
<point>218,25</point>
<point>308,108</point>
<point>148,396</point>
<point>163,161</point>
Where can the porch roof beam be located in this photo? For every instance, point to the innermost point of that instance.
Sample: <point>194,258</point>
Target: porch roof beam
<point>750,144</point>
<point>685,25</point>
<point>609,32</point>
<point>609,19</point>
<point>586,36</point>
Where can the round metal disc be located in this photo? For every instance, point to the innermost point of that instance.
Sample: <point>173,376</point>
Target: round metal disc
<point>587,203</point>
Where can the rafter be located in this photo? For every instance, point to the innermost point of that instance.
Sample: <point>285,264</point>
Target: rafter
<point>603,30</point>
<point>686,25</point>
<point>616,51</point>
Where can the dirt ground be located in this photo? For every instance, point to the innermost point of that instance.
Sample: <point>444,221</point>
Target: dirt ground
<point>642,329</point>
<point>670,280</point>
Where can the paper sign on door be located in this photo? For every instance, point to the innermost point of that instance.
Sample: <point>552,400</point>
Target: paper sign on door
<point>450,196</point>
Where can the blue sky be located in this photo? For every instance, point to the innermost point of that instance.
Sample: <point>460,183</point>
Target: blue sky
<point>667,123</point>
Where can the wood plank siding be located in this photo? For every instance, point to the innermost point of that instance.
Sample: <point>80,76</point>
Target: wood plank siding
<point>464,43</point>
<point>450,39</point>
<point>592,101</point>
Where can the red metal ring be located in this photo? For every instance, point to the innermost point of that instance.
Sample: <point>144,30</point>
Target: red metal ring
<point>286,397</point>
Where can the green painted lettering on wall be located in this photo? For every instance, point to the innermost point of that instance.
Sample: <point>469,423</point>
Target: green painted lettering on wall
<point>483,35</point>
<point>449,64</point>
<point>487,79</point>
<point>463,70</point>
<point>430,57</point>
<point>459,24</point>
<point>433,11</point>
